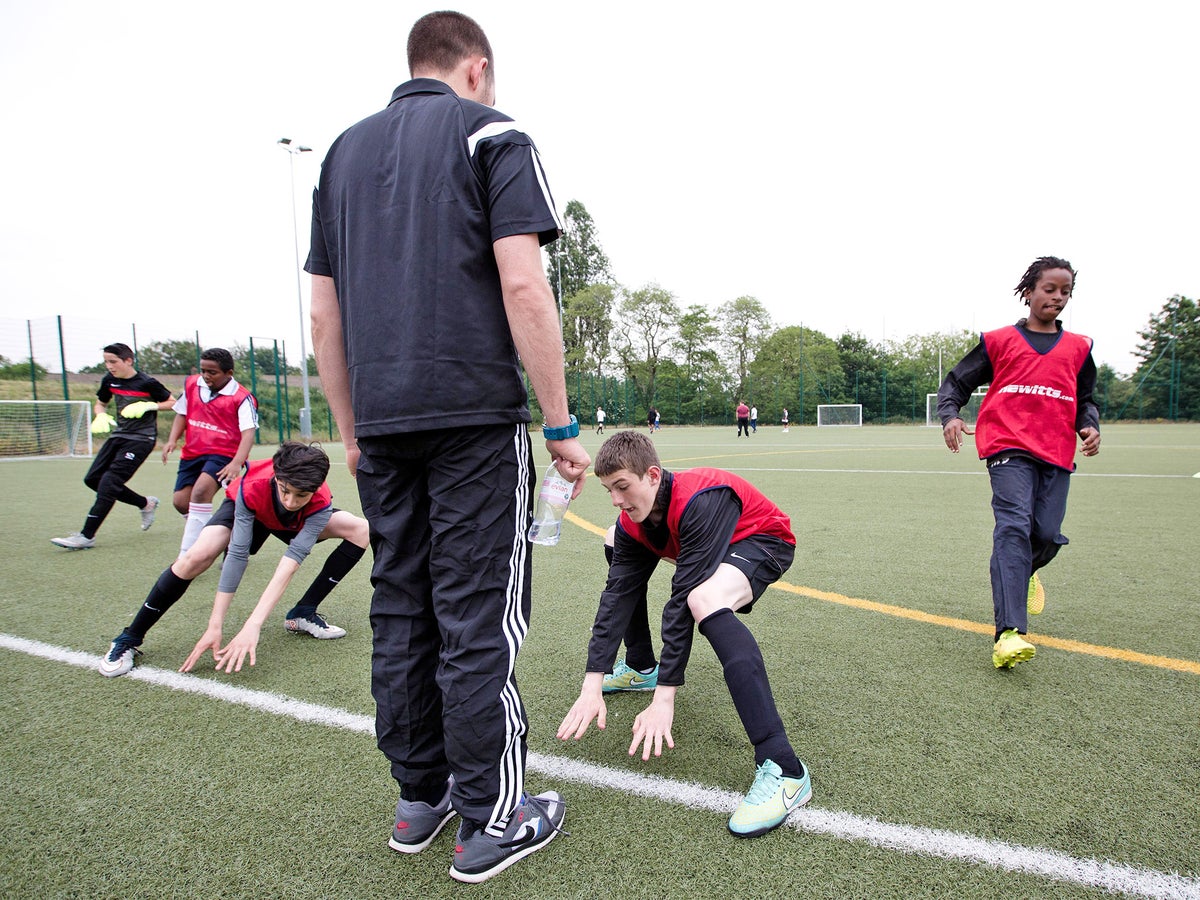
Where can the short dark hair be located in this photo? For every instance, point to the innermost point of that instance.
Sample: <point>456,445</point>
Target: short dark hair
<point>629,450</point>
<point>121,351</point>
<point>439,41</point>
<point>304,466</point>
<point>1030,279</point>
<point>220,356</point>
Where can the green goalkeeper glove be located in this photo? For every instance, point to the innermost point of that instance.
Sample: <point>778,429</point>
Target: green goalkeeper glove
<point>139,409</point>
<point>103,424</point>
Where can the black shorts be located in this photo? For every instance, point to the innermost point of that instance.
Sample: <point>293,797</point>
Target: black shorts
<point>225,514</point>
<point>118,457</point>
<point>190,470</point>
<point>763,560</point>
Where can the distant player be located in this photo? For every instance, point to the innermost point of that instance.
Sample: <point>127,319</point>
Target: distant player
<point>728,542</point>
<point>784,420</point>
<point>138,399</point>
<point>754,419</point>
<point>600,420</point>
<point>220,417</point>
<point>285,496</point>
<point>1041,381</point>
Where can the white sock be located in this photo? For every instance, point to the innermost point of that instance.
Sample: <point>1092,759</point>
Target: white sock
<point>197,517</point>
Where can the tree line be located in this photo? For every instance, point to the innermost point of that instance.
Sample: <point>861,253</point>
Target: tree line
<point>687,357</point>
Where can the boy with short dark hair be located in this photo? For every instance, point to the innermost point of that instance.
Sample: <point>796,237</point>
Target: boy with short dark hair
<point>138,398</point>
<point>221,418</point>
<point>729,542</point>
<point>285,496</point>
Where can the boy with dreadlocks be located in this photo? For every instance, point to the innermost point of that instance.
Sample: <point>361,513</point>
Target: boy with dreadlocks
<point>1041,383</point>
<point>285,496</point>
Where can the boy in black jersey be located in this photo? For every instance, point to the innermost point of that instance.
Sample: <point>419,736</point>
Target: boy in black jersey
<point>729,542</point>
<point>138,398</point>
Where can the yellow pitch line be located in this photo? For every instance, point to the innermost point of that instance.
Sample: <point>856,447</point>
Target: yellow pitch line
<point>916,615</point>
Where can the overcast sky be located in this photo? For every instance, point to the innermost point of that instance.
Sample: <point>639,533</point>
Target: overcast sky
<point>879,167</point>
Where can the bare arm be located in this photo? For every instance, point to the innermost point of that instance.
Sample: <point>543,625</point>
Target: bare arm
<point>234,469</point>
<point>330,350</point>
<point>173,438</point>
<point>533,322</point>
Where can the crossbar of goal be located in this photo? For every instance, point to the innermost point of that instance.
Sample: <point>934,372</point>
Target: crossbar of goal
<point>969,412</point>
<point>834,414</point>
<point>45,429</point>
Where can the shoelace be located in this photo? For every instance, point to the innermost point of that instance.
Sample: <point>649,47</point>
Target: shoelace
<point>545,813</point>
<point>766,783</point>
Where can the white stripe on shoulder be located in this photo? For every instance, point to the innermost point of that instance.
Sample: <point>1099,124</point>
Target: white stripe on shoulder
<point>492,129</point>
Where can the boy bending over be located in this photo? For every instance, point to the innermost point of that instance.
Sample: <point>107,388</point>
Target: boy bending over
<point>729,542</point>
<point>285,496</point>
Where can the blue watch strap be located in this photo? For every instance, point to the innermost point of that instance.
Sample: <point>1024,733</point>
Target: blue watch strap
<point>562,432</point>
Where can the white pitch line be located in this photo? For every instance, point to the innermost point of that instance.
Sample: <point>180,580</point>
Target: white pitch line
<point>829,823</point>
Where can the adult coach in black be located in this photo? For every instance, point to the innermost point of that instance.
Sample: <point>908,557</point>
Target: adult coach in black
<point>427,283</point>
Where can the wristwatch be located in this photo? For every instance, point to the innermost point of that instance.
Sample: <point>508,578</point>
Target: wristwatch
<point>562,432</point>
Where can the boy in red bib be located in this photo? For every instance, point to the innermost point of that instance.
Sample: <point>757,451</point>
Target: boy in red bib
<point>728,543</point>
<point>287,497</point>
<point>221,418</point>
<point>1040,397</point>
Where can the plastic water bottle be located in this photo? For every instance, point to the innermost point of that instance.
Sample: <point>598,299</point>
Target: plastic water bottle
<point>553,498</point>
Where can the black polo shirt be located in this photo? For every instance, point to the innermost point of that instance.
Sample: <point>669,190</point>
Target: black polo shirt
<point>408,206</point>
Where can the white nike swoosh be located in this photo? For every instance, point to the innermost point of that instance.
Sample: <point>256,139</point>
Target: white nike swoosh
<point>742,558</point>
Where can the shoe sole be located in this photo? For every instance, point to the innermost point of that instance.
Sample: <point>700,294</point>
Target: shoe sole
<point>1023,655</point>
<point>402,847</point>
<point>480,877</point>
<point>1036,603</point>
<point>152,513</point>
<point>71,546</point>
<point>628,690</point>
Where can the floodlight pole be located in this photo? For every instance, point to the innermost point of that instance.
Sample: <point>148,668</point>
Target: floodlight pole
<point>295,150</point>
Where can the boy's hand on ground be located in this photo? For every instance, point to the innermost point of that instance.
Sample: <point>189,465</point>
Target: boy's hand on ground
<point>235,652</point>
<point>1091,441</point>
<point>589,706</point>
<point>210,641</point>
<point>652,725</point>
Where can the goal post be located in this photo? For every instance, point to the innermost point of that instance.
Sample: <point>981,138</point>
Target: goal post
<point>831,414</point>
<point>969,412</point>
<point>45,428</point>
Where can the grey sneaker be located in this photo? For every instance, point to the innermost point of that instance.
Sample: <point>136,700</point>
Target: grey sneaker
<point>119,658</point>
<point>74,541</point>
<point>417,824</point>
<point>533,824</point>
<point>314,624</point>
<point>148,513</point>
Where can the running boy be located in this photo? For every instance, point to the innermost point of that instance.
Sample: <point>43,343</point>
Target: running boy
<point>138,398</point>
<point>729,542</point>
<point>285,496</point>
<point>1042,379</point>
<point>221,417</point>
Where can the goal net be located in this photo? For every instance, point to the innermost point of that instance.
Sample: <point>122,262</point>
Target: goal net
<point>969,412</point>
<point>839,414</point>
<point>32,428</point>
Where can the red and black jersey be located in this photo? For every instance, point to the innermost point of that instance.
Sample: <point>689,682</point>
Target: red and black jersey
<point>759,515</point>
<point>257,491</point>
<point>1032,404</point>
<point>212,425</point>
<point>135,389</point>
